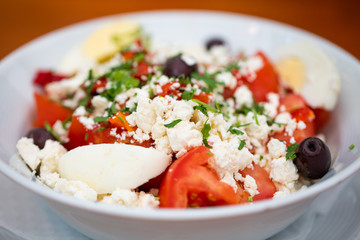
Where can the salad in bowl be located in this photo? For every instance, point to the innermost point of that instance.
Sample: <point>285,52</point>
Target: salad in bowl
<point>174,122</point>
<point>125,121</point>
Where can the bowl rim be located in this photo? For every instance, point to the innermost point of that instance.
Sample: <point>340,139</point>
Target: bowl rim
<point>180,214</point>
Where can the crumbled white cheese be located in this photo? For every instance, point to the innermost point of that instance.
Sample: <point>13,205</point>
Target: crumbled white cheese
<point>77,189</point>
<point>276,148</point>
<point>61,131</point>
<point>100,104</point>
<point>88,122</point>
<point>227,78</point>
<point>29,152</point>
<point>227,158</point>
<point>243,96</point>
<point>283,171</point>
<point>183,136</point>
<point>80,111</point>
<point>258,129</point>
<point>50,155</point>
<point>129,198</point>
<point>250,185</point>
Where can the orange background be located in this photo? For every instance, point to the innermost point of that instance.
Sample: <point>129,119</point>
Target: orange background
<point>336,20</point>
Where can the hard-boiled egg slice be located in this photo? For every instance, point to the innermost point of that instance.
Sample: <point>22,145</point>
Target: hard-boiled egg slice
<point>308,70</point>
<point>105,167</point>
<point>110,39</point>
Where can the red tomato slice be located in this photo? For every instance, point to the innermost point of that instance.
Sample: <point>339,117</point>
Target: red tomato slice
<point>306,115</point>
<point>44,77</point>
<point>50,111</point>
<point>292,102</point>
<point>266,81</point>
<point>190,182</point>
<point>322,117</point>
<point>265,186</point>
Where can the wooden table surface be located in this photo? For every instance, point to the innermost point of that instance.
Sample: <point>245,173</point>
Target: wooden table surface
<point>24,20</point>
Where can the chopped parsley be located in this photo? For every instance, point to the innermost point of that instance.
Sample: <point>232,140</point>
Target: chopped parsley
<point>121,119</point>
<point>206,133</point>
<point>52,131</point>
<point>271,122</point>
<point>100,119</point>
<point>232,66</point>
<point>250,199</point>
<point>209,153</point>
<point>86,136</point>
<point>209,79</point>
<point>351,147</point>
<point>173,123</point>
<point>188,95</point>
<point>291,151</point>
<point>233,130</point>
<point>261,157</point>
<point>204,108</point>
<point>242,144</point>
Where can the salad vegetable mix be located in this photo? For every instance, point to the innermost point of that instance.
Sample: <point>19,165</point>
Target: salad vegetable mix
<point>126,122</point>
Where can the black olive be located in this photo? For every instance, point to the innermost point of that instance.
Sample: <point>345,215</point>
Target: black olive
<point>39,136</point>
<point>313,158</point>
<point>175,67</point>
<point>214,42</point>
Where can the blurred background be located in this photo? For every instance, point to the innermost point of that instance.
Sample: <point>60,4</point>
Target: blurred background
<point>335,20</point>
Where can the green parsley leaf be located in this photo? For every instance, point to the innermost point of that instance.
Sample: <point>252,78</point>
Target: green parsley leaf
<point>204,106</point>
<point>209,79</point>
<point>188,95</point>
<point>173,123</point>
<point>241,145</point>
<point>291,151</point>
<point>64,123</point>
<point>271,122</point>
<point>121,119</point>
<point>100,119</point>
<point>86,136</point>
<point>101,128</point>
<point>209,153</point>
<point>250,199</point>
<point>233,130</point>
<point>231,66</point>
<point>51,130</point>
<point>261,157</point>
<point>139,56</point>
<point>351,147</point>
<point>112,110</point>
<point>206,133</point>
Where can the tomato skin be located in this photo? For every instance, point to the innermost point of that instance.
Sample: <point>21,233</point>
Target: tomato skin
<point>305,115</point>
<point>292,102</point>
<point>265,186</point>
<point>322,117</point>
<point>190,182</point>
<point>43,77</point>
<point>266,81</point>
<point>119,120</point>
<point>49,111</point>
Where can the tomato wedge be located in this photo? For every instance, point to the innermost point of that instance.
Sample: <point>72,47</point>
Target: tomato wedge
<point>305,115</point>
<point>190,182</point>
<point>264,184</point>
<point>49,111</point>
<point>266,81</point>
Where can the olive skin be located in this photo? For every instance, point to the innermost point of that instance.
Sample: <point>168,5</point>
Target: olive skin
<point>39,136</point>
<point>214,42</point>
<point>175,67</point>
<point>313,158</point>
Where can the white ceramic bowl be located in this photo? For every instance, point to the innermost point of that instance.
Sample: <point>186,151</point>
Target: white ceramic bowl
<point>256,221</point>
